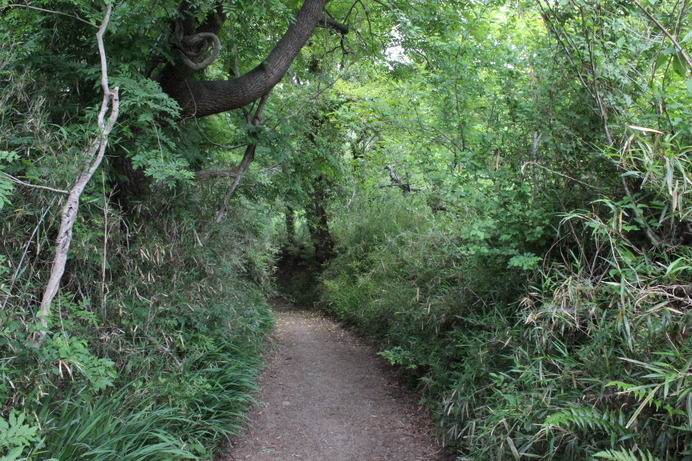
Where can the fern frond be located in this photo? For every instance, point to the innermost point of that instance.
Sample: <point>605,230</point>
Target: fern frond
<point>584,418</point>
<point>626,455</point>
<point>639,391</point>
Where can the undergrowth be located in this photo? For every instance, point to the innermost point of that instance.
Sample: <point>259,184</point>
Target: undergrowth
<point>584,357</point>
<point>154,344</point>
<point>157,370</point>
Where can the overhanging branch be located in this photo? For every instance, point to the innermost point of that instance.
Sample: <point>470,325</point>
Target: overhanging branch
<point>330,23</point>
<point>202,98</point>
<point>215,174</point>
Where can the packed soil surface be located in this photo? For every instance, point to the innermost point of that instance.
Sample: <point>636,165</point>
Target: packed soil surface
<point>327,396</point>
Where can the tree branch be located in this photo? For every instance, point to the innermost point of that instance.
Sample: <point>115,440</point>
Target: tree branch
<point>536,164</point>
<point>33,186</point>
<point>677,45</point>
<point>331,23</point>
<point>213,174</point>
<point>398,182</point>
<point>44,10</point>
<point>244,165</point>
<point>202,98</point>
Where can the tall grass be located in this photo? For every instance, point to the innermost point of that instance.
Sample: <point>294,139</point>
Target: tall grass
<point>138,422</point>
<point>114,427</point>
<point>161,370</point>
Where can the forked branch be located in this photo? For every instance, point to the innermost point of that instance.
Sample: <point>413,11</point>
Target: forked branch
<point>248,158</point>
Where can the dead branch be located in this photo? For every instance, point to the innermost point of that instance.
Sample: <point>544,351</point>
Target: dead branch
<point>44,10</point>
<point>398,182</point>
<point>538,165</point>
<point>33,186</point>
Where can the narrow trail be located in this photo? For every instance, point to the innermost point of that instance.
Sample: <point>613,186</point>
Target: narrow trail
<point>328,397</point>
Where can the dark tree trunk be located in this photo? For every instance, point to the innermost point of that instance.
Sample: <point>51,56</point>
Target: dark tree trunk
<point>202,98</point>
<point>318,220</point>
<point>290,226</point>
<point>130,184</point>
<point>318,224</point>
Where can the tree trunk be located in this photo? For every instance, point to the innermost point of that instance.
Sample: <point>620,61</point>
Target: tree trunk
<point>92,160</point>
<point>318,224</point>
<point>290,226</point>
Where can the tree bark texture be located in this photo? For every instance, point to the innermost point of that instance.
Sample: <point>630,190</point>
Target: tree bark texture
<point>202,98</point>
<point>290,226</point>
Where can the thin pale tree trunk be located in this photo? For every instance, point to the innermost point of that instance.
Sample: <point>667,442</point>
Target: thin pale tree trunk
<point>92,160</point>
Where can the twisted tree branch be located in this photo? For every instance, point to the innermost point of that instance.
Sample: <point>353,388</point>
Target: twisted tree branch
<point>202,98</point>
<point>187,51</point>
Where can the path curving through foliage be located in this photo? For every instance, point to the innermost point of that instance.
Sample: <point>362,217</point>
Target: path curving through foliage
<point>328,397</point>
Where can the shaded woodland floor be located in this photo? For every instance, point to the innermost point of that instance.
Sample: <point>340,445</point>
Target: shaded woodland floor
<point>327,396</point>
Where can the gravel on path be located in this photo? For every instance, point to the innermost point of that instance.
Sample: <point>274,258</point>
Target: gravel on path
<point>328,397</point>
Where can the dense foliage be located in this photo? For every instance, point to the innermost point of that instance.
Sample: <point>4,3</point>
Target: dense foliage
<point>497,192</point>
<point>153,345</point>
<point>536,286</point>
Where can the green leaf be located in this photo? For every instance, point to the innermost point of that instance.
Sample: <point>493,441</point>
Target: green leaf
<point>526,261</point>
<point>679,65</point>
<point>626,455</point>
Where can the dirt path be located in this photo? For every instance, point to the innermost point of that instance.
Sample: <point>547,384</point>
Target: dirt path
<point>328,397</point>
